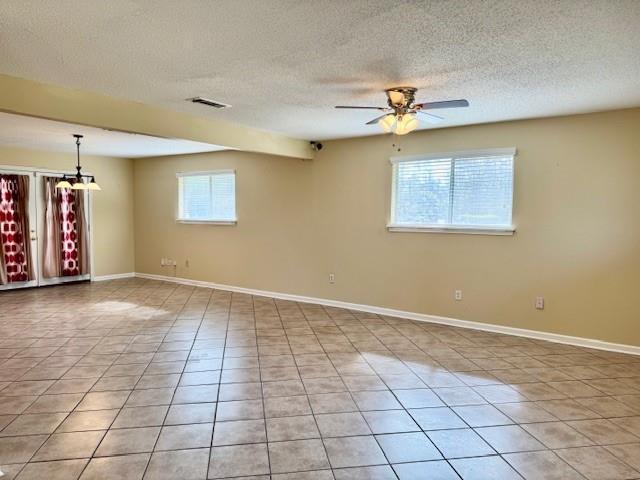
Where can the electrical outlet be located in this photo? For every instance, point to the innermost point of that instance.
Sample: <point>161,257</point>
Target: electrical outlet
<point>540,303</point>
<point>332,278</point>
<point>458,295</point>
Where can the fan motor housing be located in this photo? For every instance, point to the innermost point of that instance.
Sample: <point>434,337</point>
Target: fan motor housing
<point>408,96</point>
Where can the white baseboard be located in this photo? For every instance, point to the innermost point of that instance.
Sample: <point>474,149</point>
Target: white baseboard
<point>114,276</point>
<point>421,317</point>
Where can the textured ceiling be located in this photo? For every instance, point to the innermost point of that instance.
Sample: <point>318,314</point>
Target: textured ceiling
<point>283,64</point>
<point>40,134</point>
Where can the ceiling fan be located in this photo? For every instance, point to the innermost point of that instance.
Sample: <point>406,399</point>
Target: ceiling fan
<point>401,110</point>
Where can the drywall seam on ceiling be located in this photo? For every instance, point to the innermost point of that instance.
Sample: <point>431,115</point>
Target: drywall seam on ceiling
<point>421,317</point>
<point>26,97</point>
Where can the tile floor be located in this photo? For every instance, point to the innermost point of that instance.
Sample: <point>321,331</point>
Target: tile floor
<point>136,379</point>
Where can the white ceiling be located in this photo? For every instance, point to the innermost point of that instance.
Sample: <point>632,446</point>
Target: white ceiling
<point>283,64</point>
<point>40,134</point>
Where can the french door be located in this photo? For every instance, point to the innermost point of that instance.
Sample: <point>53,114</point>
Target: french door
<point>65,240</point>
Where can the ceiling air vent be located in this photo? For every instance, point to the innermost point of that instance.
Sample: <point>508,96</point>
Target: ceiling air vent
<point>210,103</point>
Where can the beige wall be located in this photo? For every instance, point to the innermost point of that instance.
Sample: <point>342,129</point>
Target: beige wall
<point>270,248</point>
<point>576,211</point>
<point>112,207</point>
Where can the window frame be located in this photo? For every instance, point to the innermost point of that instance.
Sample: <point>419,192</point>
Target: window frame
<point>392,226</point>
<point>210,173</point>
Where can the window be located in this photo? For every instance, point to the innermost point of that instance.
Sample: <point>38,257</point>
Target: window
<point>207,197</point>
<point>459,191</point>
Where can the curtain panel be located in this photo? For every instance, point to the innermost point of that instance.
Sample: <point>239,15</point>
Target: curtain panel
<point>52,252</point>
<point>16,264</point>
<point>66,241</point>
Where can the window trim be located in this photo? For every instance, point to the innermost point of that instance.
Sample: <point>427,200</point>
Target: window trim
<point>450,228</point>
<point>484,230</point>
<point>210,173</point>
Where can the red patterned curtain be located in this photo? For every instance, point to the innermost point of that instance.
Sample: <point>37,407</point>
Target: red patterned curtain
<point>14,229</point>
<point>66,240</point>
<point>70,237</point>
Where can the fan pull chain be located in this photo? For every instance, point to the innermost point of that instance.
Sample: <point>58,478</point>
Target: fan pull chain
<point>396,143</point>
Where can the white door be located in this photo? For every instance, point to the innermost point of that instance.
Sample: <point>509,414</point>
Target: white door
<point>40,199</point>
<point>32,234</point>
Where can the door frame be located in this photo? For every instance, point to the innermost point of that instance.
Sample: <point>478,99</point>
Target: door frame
<point>36,174</point>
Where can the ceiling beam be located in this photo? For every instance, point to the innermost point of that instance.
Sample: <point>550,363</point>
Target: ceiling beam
<point>26,97</point>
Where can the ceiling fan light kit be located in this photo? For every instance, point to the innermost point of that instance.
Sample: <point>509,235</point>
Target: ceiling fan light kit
<point>400,125</point>
<point>402,111</point>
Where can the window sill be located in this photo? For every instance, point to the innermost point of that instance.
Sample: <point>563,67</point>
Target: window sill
<point>452,229</point>
<point>207,222</point>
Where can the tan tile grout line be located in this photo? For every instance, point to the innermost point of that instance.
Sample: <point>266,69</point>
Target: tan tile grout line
<point>264,411</point>
<point>186,362</point>
<point>224,350</point>
<point>315,421</point>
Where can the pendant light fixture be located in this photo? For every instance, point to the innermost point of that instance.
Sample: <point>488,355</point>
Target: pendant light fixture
<point>76,182</point>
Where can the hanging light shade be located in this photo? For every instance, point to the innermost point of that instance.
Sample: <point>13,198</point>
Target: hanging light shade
<point>408,123</point>
<point>77,182</point>
<point>64,183</point>
<point>388,122</point>
<point>92,185</point>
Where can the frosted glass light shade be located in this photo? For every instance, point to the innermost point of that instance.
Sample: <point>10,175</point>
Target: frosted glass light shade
<point>92,185</point>
<point>64,183</point>
<point>387,123</point>
<point>407,124</point>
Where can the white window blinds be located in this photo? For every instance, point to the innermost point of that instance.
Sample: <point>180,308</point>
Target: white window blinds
<point>454,190</point>
<point>207,196</point>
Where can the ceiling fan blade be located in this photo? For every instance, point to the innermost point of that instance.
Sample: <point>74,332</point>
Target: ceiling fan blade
<point>430,117</point>
<point>375,120</point>
<point>361,108</point>
<point>443,104</point>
